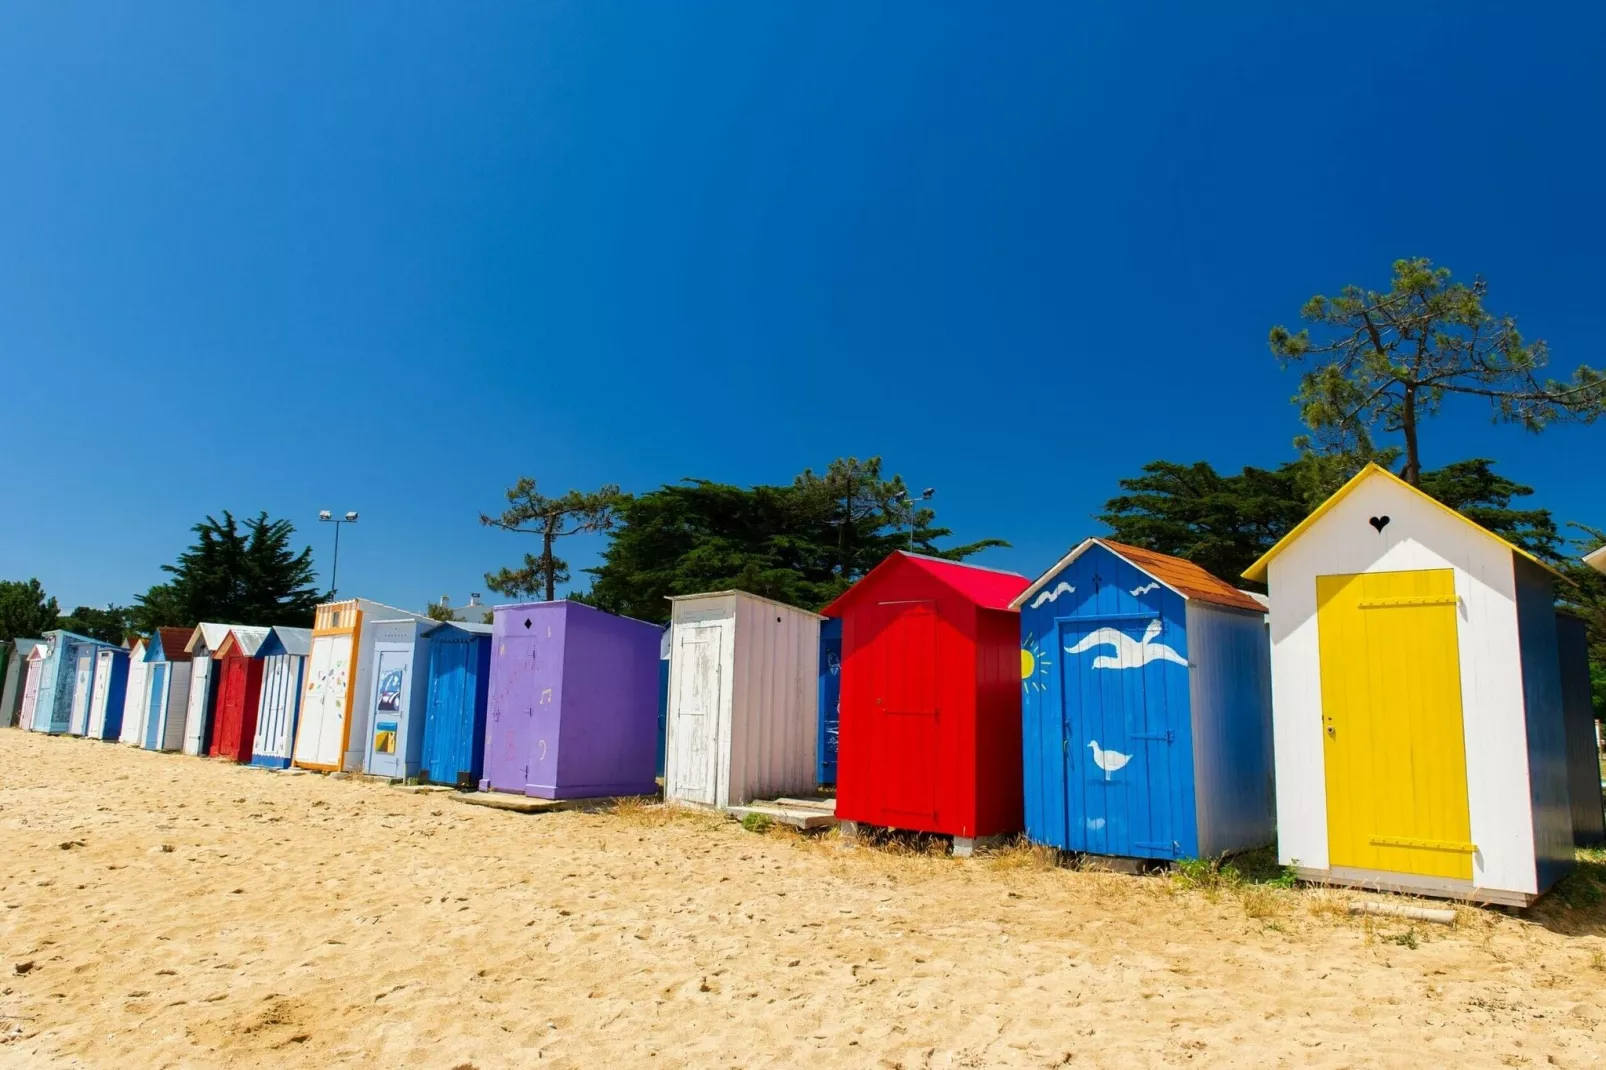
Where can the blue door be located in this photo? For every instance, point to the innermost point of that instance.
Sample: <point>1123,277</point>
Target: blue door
<point>830,697</point>
<point>1118,733</point>
<point>155,705</point>
<point>454,722</point>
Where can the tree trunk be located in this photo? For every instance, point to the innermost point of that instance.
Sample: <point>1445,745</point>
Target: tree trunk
<point>1413,457</point>
<point>546,562</point>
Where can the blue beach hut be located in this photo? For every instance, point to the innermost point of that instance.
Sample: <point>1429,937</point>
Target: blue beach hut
<point>1146,705</point>
<point>830,696</point>
<point>454,713</point>
<point>167,681</point>
<point>66,682</point>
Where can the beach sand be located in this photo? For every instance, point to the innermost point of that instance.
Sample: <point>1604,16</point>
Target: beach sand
<point>164,911</point>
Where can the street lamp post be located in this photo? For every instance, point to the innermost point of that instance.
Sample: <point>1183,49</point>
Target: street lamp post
<point>325,516</point>
<point>902,497</point>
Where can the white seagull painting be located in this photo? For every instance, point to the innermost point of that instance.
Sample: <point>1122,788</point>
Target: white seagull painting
<point>1130,653</point>
<point>1111,761</point>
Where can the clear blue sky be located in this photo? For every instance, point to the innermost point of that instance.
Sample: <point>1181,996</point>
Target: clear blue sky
<point>390,257</point>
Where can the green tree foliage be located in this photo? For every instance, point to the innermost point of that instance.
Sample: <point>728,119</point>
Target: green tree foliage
<point>1394,357</point>
<point>234,575</point>
<point>1586,596</point>
<point>803,544</point>
<point>1220,522</point>
<point>437,611</point>
<point>530,512</point>
<point>110,625</point>
<point>1225,522</point>
<point>1473,489</point>
<point>25,611</point>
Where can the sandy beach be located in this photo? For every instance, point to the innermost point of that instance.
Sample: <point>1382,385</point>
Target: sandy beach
<point>164,911</point>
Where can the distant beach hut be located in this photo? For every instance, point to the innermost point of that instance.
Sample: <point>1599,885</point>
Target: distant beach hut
<point>66,680</point>
<point>107,693</point>
<point>743,719</point>
<point>202,647</point>
<point>16,685</point>
<point>332,729</point>
<point>1418,712</point>
<point>239,692</point>
<point>573,702</point>
<point>663,697</point>
<point>136,696</point>
<point>454,716</point>
<point>1583,754</point>
<point>1146,707</point>
<point>284,667</point>
<point>830,698</point>
<point>931,734</point>
<point>30,691</point>
<point>397,697</point>
<point>167,684</point>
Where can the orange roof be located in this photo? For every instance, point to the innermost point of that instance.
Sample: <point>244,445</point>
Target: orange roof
<point>1179,574</point>
<point>1185,577</point>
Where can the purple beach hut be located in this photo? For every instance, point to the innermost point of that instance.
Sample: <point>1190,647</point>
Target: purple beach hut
<point>573,705</point>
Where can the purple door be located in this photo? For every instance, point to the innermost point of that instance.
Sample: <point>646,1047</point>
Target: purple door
<point>521,726</point>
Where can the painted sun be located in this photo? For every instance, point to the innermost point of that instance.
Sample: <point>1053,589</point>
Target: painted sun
<point>1033,666</point>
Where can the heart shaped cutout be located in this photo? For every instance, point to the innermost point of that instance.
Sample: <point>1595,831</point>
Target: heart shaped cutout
<point>1379,522</point>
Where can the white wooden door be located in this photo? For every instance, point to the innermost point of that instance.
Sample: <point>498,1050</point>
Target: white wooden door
<point>273,715</point>
<point>101,695</point>
<point>320,738</point>
<point>30,693</point>
<point>692,768</point>
<point>80,694</point>
<point>195,711</point>
<point>134,701</point>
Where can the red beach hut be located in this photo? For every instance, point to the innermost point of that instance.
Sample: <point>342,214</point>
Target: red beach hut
<point>239,690</point>
<point>930,724</point>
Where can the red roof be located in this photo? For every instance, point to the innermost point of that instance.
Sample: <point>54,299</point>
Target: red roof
<point>173,642</point>
<point>988,588</point>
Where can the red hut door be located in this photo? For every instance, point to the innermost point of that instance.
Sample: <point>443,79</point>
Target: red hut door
<point>903,687</point>
<point>230,709</point>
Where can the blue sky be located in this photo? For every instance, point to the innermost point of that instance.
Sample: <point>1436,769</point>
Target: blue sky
<point>390,257</point>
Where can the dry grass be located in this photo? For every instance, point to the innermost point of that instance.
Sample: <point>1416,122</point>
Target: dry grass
<point>1023,856</point>
<point>645,813</point>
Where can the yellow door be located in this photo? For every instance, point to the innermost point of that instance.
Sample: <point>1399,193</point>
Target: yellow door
<point>1391,723</point>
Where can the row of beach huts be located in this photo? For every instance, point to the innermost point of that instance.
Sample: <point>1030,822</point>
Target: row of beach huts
<point>1405,710</point>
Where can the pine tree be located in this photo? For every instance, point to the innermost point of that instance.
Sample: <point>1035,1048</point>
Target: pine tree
<point>232,575</point>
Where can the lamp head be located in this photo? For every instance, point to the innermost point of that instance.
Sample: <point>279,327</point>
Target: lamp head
<point>352,517</point>
<point>323,514</point>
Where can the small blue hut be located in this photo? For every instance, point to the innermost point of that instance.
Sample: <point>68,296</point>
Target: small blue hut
<point>830,696</point>
<point>454,712</point>
<point>66,682</point>
<point>1146,705</point>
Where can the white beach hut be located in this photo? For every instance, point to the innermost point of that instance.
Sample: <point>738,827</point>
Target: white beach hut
<point>332,731</point>
<point>136,698</point>
<point>742,721</point>
<point>1417,711</point>
<point>203,645</point>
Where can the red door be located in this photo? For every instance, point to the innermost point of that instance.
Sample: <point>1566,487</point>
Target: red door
<point>230,693</point>
<point>903,691</point>
<point>236,708</point>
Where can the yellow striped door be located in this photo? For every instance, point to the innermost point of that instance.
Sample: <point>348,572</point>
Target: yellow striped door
<point>1391,723</point>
